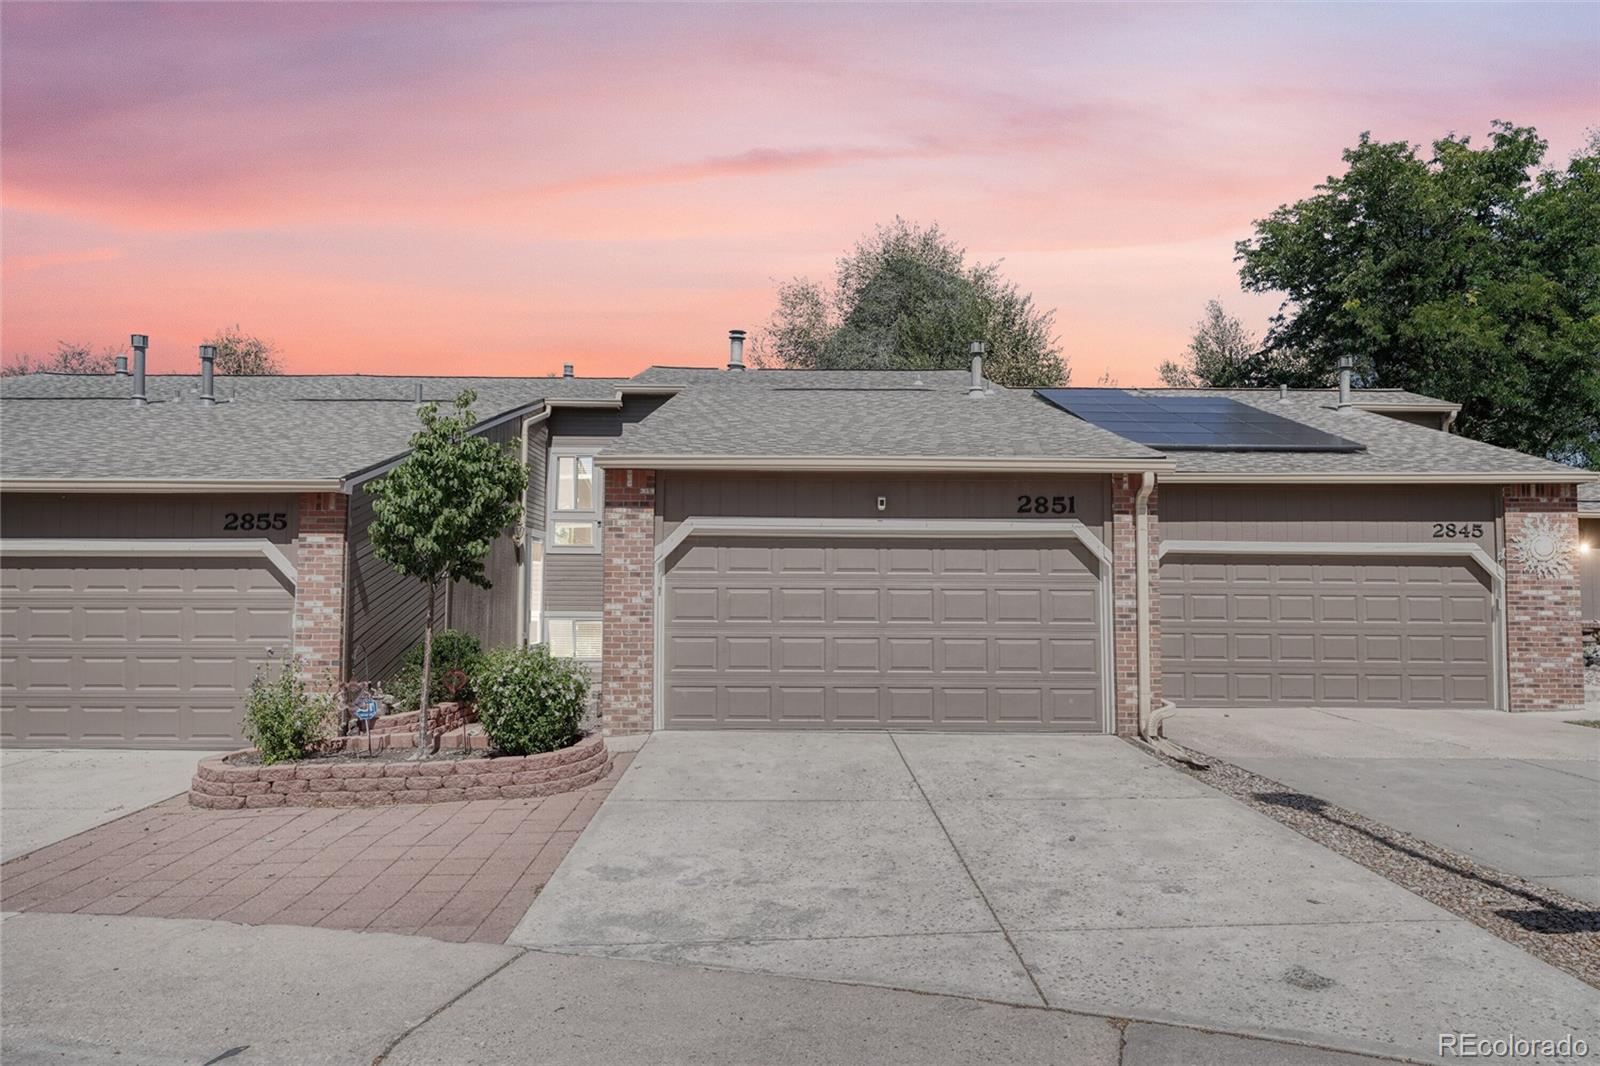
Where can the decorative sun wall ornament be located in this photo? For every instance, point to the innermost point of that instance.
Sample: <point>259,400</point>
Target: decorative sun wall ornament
<point>1542,548</point>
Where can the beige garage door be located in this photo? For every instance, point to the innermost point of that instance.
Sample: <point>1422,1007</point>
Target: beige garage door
<point>148,653</point>
<point>1290,631</point>
<point>904,634</point>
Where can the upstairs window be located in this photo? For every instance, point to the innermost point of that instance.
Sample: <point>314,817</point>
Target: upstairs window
<point>574,504</point>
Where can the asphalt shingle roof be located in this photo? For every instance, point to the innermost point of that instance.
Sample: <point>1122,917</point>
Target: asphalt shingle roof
<point>862,414</point>
<point>316,427</point>
<point>272,428</point>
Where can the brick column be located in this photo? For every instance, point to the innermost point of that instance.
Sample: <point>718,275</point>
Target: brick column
<point>627,668</point>
<point>319,591</point>
<point>1125,602</point>
<point>1543,634</point>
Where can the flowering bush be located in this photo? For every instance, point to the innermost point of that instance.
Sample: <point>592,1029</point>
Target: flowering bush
<point>282,719</point>
<point>530,701</point>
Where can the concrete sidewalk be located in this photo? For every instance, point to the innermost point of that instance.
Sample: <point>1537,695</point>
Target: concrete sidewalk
<point>166,991</point>
<point>47,795</point>
<point>1517,792</point>
<point>1063,872</point>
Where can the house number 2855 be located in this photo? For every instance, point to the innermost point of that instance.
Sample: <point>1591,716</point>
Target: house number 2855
<point>1047,505</point>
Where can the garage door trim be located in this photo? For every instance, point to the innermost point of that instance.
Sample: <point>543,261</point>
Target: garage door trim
<point>1067,528</point>
<point>1495,572</point>
<point>217,548</point>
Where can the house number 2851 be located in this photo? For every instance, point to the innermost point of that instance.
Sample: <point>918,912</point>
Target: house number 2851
<point>1047,505</point>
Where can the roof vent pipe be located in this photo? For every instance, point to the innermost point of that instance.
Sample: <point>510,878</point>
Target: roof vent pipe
<point>1347,363</point>
<point>416,394</point>
<point>1283,391</point>
<point>566,370</point>
<point>121,370</point>
<point>138,342</point>
<point>736,349</point>
<point>977,348</point>
<point>208,388</point>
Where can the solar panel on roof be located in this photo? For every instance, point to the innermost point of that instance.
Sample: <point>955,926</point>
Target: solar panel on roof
<point>1194,423</point>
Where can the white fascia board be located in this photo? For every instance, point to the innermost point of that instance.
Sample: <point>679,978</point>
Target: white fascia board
<point>1408,408</point>
<point>115,548</point>
<point>1395,548</point>
<point>172,487</point>
<point>936,464</point>
<point>1419,478</point>
<point>883,527</point>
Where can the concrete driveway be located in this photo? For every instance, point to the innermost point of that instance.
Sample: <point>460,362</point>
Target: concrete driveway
<point>48,795</point>
<point>1518,792</point>
<point>1074,873</point>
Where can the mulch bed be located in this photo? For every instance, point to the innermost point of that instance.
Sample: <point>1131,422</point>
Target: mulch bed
<point>1550,925</point>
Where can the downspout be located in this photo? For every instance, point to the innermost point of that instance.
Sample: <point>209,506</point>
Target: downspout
<point>1150,720</point>
<point>1141,578</point>
<point>522,582</point>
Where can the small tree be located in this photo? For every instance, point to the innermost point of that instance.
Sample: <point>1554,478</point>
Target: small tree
<point>68,358</point>
<point>436,514</point>
<point>1223,354</point>
<point>240,353</point>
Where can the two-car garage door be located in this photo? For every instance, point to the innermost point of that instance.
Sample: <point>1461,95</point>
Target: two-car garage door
<point>909,633</point>
<point>1285,630</point>
<point>141,652</point>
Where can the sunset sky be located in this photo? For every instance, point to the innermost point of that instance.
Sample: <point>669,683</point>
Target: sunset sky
<point>498,189</point>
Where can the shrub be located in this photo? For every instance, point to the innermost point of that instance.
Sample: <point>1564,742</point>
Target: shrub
<point>281,718</point>
<point>530,701</point>
<point>455,659</point>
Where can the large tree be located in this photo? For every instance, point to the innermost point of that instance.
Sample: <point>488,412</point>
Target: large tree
<point>436,514</point>
<point>241,353</point>
<point>1470,274</point>
<point>68,358</point>
<point>906,299</point>
<point>1223,354</point>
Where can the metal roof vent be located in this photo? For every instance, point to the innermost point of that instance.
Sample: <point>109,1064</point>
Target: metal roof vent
<point>138,342</point>
<point>208,384</point>
<point>1347,364</point>
<point>566,370</point>
<point>417,394</point>
<point>975,390</point>
<point>736,349</point>
<point>121,369</point>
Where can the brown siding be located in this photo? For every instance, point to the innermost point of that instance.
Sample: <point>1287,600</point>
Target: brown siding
<point>387,609</point>
<point>1340,513</point>
<point>75,515</point>
<point>574,582</point>
<point>685,495</point>
<point>491,614</point>
<point>538,469</point>
<point>1589,568</point>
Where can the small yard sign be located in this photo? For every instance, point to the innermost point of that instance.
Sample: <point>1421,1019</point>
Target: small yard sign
<point>366,709</point>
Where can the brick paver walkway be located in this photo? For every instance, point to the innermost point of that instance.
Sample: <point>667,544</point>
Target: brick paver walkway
<point>453,871</point>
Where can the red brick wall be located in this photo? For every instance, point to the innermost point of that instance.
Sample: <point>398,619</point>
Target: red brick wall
<point>627,671</point>
<point>1125,602</point>
<point>319,592</point>
<point>1545,643</point>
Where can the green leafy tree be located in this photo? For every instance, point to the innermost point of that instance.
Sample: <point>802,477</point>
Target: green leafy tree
<point>240,353</point>
<point>66,359</point>
<point>436,514</point>
<point>1223,354</point>
<point>1470,274</point>
<point>906,299</point>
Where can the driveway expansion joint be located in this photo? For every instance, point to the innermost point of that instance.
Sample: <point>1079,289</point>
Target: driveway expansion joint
<point>962,859</point>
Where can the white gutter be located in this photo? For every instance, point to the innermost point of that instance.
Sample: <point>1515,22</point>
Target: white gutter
<point>175,486</point>
<point>879,463</point>
<point>1565,477</point>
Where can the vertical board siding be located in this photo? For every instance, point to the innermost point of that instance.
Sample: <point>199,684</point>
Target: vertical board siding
<point>387,609</point>
<point>491,614</point>
<point>154,516</point>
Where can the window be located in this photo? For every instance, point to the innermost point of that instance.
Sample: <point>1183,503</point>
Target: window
<point>574,638</point>
<point>533,553</point>
<point>574,504</point>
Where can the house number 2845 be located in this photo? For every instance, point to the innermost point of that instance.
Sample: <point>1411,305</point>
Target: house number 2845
<point>1047,505</point>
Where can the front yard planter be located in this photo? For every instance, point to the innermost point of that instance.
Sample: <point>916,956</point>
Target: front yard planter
<point>353,780</point>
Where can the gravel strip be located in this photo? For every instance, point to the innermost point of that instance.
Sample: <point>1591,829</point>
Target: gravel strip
<point>1550,925</point>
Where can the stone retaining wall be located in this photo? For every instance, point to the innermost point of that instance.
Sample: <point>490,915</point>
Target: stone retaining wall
<point>220,785</point>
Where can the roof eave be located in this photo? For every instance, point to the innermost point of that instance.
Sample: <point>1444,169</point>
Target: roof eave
<point>172,486</point>
<point>1469,477</point>
<point>1042,464</point>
